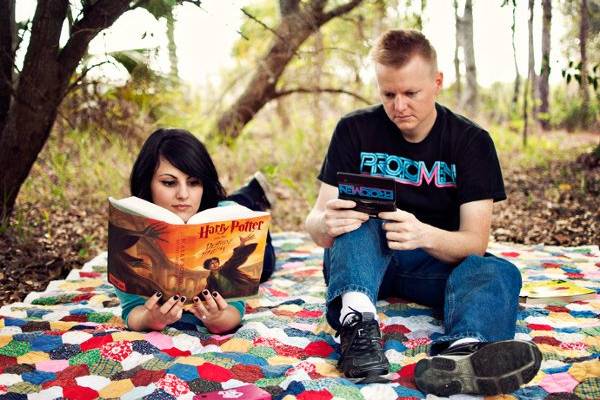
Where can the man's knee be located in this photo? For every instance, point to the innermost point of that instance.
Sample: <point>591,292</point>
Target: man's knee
<point>491,268</point>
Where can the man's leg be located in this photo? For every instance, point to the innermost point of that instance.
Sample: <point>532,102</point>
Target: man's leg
<point>481,301</point>
<point>354,268</point>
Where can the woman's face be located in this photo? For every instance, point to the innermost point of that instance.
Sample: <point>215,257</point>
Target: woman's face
<point>176,191</point>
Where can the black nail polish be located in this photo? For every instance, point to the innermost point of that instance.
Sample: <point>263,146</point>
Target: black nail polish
<point>215,294</point>
<point>195,299</point>
<point>205,292</point>
<point>176,297</point>
<point>158,294</point>
<point>182,299</point>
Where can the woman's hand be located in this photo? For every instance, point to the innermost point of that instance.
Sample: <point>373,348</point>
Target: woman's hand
<point>215,313</point>
<point>154,316</point>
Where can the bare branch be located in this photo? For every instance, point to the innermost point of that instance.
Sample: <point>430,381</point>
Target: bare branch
<point>98,17</point>
<point>287,92</point>
<point>253,18</point>
<point>83,74</point>
<point>342,9</point>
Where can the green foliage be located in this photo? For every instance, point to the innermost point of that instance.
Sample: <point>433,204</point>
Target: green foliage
<point>541,148</point>
<point>573,71</point>
<point>158,8</point>
<point>569,113</point>
<point>136,62</point>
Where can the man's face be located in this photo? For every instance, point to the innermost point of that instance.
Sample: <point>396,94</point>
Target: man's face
<point>214,265</point>
<point>408,95</point>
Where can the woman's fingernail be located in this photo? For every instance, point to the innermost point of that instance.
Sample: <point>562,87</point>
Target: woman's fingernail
<point>205,292</point>
<point>158,294</point>
<point>176,297</point>
<point>195,299</point>
<point>182,299</point>
<point>215,294</point>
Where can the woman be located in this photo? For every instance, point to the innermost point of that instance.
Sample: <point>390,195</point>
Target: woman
<point>175,171</point>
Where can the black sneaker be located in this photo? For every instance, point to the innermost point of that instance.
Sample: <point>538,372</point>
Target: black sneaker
<point>255,194</point>
<point>362,352</point>
<point>479,368</point>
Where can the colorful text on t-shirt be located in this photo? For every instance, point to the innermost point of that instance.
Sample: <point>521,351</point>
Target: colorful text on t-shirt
<point>407,171</point>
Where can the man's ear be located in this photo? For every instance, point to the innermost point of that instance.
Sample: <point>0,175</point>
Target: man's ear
<point>438,81</point>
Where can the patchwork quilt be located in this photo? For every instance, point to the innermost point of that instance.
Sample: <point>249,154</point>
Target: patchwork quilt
<point>69,341</point>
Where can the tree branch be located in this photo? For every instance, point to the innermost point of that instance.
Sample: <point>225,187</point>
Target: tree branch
<point>282,93</point>
<point>342,9</point>
<point>96,18</point>
<point>83,74</point>
<point>268,28</point>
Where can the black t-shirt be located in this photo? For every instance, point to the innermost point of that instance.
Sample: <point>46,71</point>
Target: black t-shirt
<point>455,164</point>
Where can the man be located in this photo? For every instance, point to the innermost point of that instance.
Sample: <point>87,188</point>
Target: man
<point>432,249</point>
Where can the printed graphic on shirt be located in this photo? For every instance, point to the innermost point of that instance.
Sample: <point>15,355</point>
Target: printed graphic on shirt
<point>407,171</point>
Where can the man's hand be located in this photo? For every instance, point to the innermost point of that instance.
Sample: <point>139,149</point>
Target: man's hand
<point>340,218</point>
<point>404,231</point>
<point>156,317</point>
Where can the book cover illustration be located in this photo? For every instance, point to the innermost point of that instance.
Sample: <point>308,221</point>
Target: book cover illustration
<point>146,255</point>
<point>372,194</point>
<point>557,290</point>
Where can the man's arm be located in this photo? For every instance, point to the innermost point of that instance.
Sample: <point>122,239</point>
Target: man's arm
<point>405,232</point>
<point>331,217</point>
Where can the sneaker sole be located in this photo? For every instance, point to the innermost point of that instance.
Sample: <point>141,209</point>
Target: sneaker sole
<point>367,374</point>
<point>500,367</point>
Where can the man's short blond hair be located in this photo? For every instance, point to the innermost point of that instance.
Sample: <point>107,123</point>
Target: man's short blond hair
<point>395,48</point>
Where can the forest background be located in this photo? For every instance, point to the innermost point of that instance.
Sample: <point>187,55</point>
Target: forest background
<point>75,106</point>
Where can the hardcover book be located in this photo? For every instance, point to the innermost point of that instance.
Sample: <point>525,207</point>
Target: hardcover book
<point>553,291</point>
<point>152,249</point>
<point>372,194</point>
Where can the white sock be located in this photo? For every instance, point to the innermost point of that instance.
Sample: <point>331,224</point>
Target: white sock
<point>464,340</point>
<point>356,301</point>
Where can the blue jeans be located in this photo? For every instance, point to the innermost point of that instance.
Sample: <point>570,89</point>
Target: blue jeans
<point>478,297</point>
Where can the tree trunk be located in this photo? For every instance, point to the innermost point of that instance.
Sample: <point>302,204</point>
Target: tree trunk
<point>471,96</point>
<point>517,85</point>
<point>172,46</point>
<point>543,86</point>
<point>41,86</point>
<point>583,33</point>
<point>291,32</point>
<point>525,112</point>
<point>287,7</point>
<point>531,65</point>
<point>457,45</point>
<point>8,39</point>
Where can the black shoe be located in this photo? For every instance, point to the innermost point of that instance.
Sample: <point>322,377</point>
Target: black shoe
<point>479,368</point>
<point>362,351</point>
<point>255,194</point>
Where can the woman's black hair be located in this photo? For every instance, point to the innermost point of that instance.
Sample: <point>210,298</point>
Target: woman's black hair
<point>186,153</point>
